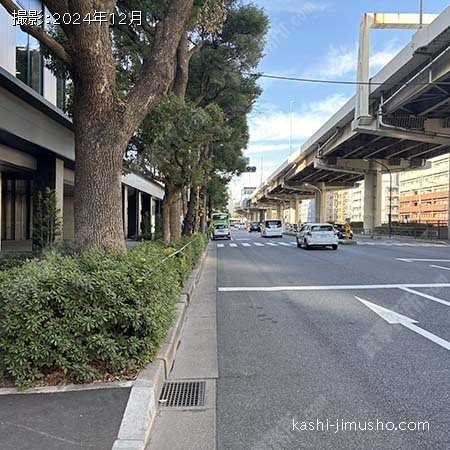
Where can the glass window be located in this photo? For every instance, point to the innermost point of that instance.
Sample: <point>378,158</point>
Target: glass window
<point>29,60</point>
<point>322,228</point>
<point>61,93</point>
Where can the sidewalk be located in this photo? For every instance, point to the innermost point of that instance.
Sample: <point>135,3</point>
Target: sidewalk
<point>81,419</point>
<point>194,428</point>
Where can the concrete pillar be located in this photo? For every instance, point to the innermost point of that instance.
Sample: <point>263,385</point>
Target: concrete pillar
<point>297,212</point>
<point>262,215</point>
<point>59,189</point>
<point>320,207</point>
<point>280,211</point>
<point>138,213</point>
<point>125,210</point>
<point>293,213</point>
<point>372,199</point>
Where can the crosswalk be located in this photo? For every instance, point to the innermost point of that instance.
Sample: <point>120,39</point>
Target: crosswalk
<point>256,244</point>
<point>402,244</point>
<point>270,244</point>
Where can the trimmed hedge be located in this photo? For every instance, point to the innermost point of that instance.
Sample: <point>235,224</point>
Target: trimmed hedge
<point>90,315</point>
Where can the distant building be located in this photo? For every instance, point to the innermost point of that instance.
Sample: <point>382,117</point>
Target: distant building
<point>424,193</point>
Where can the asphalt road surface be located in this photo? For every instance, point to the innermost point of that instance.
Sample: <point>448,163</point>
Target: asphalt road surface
<point>314,341</point>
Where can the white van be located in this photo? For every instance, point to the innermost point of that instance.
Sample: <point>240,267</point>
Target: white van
<point>272,228</point>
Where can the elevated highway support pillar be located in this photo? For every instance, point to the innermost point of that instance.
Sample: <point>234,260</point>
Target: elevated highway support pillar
<point>320,206</point>
<point>372,199</point>
<point>262,215</point>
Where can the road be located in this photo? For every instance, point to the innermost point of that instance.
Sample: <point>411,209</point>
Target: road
<point>302,338</point>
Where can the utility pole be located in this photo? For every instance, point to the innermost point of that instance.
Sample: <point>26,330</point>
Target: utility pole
<point>421,14</point>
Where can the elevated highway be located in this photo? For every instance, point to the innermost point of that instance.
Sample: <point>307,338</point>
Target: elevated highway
<point>396,121</point>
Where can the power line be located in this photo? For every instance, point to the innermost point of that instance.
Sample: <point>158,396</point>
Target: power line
<point>352,83</point>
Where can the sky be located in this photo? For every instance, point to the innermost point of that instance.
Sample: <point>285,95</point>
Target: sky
<point>312,39</point>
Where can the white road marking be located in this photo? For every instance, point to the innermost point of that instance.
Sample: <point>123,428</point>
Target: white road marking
<point>245,244</point>
<point>285,244</point>
<point>220,245</point>
<point>440,267</point>
<point>332,287</point>
<point>392,317</point>
<point>258,244</point>
<point>233,245</point>
<point>409,260</point>
<point>429,297</point>
<point>243,239</point>
<point>272,244</point>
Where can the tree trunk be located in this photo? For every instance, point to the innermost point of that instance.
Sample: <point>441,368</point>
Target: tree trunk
<point>182,71</point>
<point>100,140</point>
<point>190,218</point>
<point>166,208</point>
<point>175,225</point>
<point>203,217</point>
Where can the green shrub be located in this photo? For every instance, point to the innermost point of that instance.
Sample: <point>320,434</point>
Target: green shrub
<point>101,312</point>
<point>11,260</point>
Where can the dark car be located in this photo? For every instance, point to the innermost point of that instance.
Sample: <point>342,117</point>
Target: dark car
<point>254,226</point>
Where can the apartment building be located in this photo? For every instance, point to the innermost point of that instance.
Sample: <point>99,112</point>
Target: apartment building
<point>424,193</point>
<point>37,143</point>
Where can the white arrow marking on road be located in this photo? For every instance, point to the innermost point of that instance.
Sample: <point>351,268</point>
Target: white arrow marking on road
<point>246,244</point>
<point>258,244</point>
<point>392,317</point>
<point>220,245</point>
<point>409,260</point>
<point>233,245</point>
<point>440,267</point>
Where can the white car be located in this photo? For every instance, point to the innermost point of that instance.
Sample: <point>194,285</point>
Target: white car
<point>271,228</point>
<point>221,231</point>
<point>317,235</point>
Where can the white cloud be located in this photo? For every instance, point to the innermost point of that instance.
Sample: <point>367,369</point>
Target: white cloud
<point>275,126</point>
<point>342,60</point>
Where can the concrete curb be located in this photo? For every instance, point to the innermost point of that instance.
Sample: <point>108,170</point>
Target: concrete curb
<point>142,404</point>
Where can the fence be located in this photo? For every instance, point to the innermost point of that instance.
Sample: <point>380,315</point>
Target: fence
<point>417,230</point>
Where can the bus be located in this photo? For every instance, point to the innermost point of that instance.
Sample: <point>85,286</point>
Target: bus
<point>217,218</point>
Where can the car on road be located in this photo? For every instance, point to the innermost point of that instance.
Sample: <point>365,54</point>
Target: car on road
<point>272,228</point>
<point>221,231</point>
<point>254,226</point>
<point>317,235</point>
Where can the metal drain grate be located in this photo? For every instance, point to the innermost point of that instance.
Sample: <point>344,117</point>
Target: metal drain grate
<point>183,394</point>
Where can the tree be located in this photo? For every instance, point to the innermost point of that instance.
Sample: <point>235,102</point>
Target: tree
<point>219,75</point>
<point>169,148</point>
<point>105,114</point>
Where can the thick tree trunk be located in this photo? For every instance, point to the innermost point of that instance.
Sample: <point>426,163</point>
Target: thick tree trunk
<point>100,140</point>
<point>175,224</point>
<point>190,218</point>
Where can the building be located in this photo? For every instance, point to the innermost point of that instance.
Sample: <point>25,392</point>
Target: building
<point>350,202</point>
<point>424,193</point>
<point>37,144</point>
<point>307,211</point>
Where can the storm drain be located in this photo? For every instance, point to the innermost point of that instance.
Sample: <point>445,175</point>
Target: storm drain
<point>183,394</point>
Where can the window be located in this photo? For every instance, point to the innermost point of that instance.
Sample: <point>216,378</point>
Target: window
<point>322,228</point>
<point>273,223</point>
<point>29,60</point>
<point>61,93</point>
